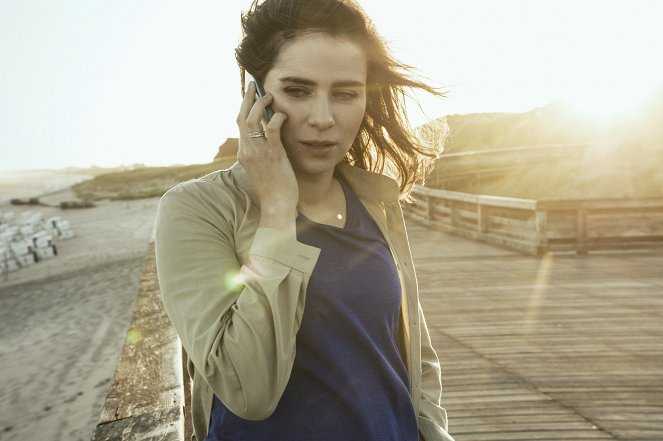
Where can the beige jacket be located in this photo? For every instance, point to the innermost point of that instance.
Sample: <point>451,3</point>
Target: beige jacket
<point>235,293</point>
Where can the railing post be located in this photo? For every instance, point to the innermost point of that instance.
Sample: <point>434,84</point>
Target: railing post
<point>541,228</point>
<point>454,214</point>
<point>430,201</point>
<point>480,219</point>
<point>581,232</point>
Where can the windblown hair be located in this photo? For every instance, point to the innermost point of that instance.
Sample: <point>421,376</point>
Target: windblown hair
<point>385,141</point>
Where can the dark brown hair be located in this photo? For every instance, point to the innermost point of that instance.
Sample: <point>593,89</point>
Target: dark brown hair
<point>385,141</point>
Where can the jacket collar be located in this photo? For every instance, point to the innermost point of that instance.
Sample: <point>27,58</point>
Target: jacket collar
<point>365,184</point>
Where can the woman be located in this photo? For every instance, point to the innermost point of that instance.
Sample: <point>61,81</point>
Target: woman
<point>288,277</point>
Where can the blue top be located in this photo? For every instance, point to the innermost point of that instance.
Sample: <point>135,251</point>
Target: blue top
<point>348,381</point>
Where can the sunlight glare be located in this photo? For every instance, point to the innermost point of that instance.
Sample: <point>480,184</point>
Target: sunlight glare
<point>604,106</point>
<point>537,297</point>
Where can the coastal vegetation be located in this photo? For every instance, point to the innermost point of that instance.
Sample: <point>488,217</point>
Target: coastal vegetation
<point>143,182</point>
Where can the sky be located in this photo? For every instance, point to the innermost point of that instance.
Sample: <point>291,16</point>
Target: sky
<point>91,82</point>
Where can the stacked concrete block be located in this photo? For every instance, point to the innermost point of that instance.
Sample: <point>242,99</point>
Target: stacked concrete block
<point>23,252</point>
<point>26,239</point>
<point>7,233</point>
<point>7,218</point>
<point>43,245</point>
<point>7,261</point>
<point>61,228</point>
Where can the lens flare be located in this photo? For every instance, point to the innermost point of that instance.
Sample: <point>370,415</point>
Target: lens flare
<point>134,337</point>
<point>233,281</point>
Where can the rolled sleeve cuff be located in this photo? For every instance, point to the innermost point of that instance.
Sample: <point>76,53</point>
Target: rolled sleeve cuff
<point>281,247</point>
<point>431,431</point>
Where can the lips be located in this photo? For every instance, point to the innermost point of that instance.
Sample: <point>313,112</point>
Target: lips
<point>318,148</point>
<point>318,144</point>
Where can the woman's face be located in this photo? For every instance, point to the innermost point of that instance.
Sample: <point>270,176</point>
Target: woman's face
<point>319,82</point>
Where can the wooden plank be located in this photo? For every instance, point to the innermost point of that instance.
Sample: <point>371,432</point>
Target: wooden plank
<point>465,173</point>
<point>625,223</point>
<point>416,217</point>
<point>469,215</point>
<point>162,425</point>
<point>515,223</point>
<point>598,204</point>
<point>441,210</point>
<point>526,246</point>
<point>652,210</point>
<point>501,201</point>
<point>507,232</point>
<point>497,201</point>
<point>418,205</point>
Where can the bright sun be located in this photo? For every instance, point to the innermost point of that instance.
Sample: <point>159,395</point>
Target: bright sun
<point>602,105</point>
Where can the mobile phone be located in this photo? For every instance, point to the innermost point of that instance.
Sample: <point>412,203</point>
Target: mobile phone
<point>260,92</point>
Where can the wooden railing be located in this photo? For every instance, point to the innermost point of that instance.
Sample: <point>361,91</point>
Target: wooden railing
<point>536,227</point>
<point>147,397</point>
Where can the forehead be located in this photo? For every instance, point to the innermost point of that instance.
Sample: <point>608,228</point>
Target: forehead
<point>321,58</point>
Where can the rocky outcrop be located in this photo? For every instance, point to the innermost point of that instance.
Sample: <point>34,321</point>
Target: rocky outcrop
<point>228,148</point>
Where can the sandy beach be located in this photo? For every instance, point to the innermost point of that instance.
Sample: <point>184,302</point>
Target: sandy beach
<point>31,183</point>
<point>63,321</point>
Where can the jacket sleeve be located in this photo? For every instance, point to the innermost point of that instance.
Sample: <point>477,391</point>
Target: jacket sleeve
<point>432,417</point>
<point>237,323</point>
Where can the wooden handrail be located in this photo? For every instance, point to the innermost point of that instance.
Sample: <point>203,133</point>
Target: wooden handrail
<point>536,227</point>
<point>600,204</point>
<point>498,201</point>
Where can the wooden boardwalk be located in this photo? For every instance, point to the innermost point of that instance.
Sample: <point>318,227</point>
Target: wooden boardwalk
<point>560,347</point>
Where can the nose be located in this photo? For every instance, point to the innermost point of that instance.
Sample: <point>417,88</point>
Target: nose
<point>321,114</point>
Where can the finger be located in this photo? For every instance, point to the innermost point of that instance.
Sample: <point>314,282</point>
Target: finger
<point>247,104</point>
<point>273,129</point>
<point>253,122</point>
<point>272,135</point>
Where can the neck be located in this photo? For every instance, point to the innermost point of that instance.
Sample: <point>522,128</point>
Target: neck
<point>322,200</point>
<point>315,190</point>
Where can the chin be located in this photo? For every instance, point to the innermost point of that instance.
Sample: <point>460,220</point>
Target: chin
<point>304,163</point>
<point>313,168</point>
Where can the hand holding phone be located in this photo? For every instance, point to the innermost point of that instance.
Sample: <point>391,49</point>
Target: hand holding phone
<point>265,160</point>
<point>269,113</point>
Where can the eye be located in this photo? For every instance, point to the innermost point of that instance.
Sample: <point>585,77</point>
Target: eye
<point>296,92</point>
<point>346,95</point>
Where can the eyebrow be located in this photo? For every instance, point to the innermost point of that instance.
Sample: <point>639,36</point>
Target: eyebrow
<point>307,82</point>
